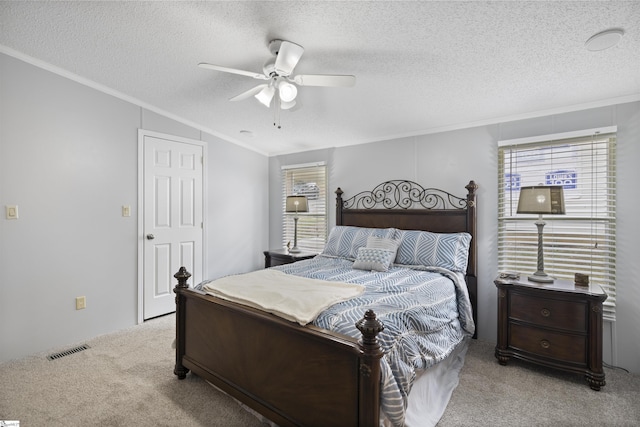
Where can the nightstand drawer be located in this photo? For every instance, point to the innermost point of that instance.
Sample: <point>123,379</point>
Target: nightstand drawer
<point>568,315</point>
<point>565,347</point>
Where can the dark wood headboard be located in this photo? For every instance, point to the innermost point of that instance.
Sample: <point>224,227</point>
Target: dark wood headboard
<point>407,205</point>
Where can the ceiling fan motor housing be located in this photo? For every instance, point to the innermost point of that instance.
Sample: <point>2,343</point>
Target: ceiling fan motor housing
<point>269,67</point>
<point>274,46</point>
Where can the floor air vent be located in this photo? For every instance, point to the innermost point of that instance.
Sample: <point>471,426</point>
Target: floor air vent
<point>64,353</point>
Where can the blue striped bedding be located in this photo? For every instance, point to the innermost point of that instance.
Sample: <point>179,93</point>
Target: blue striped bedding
<point>426,313</point>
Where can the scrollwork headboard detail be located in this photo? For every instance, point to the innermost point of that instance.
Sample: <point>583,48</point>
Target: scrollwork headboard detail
<point>404,194</point>
<point>407,205</point>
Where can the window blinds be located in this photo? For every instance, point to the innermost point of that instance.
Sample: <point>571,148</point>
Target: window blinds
<point>583,240</point>
<point>308,180</point>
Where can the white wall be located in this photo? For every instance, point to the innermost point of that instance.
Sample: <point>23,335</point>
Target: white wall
<point>625,330</point>
<point>68,159</point>
<point>449,160</point>
<point>238,202</point>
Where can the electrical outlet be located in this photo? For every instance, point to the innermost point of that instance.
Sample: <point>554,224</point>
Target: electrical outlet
<point>81,302</point>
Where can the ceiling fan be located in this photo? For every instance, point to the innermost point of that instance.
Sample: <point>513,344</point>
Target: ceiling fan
<point>281,85</point>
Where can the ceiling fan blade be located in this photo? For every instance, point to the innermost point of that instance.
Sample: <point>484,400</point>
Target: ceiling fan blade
<point>324,80</point>
<point>251,92</point>
<point>258,76</point>
<point>288,56</point>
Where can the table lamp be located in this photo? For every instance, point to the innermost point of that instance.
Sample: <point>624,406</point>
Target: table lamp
<point>541,200</point>
<point>296,204</point>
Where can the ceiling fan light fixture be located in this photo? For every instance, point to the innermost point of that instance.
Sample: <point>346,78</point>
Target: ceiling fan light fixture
<point>287,91</point>
<point>266,95</point>
<point>287,105</point>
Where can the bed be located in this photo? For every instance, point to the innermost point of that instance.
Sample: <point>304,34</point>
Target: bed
<point>307,375</point>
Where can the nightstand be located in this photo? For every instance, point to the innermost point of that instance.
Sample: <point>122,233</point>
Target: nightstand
<point>554,324</point>
<point>275,257</point>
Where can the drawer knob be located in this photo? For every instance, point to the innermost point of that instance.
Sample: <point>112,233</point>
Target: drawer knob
<point>545,312</point>
<point>545,344</point>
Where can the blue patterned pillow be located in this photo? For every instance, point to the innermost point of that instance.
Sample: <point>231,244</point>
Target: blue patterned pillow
<point>373,259</point>
<point>344,240</point>
<point>446,250</point>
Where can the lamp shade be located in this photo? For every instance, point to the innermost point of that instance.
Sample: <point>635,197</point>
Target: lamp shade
<point>287,91</point>
<point>297,204</point>
<point>265,95</point>
<point>541,200</point>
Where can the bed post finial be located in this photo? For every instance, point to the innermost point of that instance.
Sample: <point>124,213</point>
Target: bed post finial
<point>369,381</point>
<point>339,206</point>
<point>370,327</point>
<point>182,275</point>
<point>471,196</point>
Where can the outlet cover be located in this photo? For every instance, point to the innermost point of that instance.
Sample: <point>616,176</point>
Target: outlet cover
<point>81,303</point>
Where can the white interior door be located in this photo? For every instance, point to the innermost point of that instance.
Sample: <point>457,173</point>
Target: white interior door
<point>172,231</point>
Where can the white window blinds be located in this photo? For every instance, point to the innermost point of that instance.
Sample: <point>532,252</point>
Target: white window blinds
<point>308,180</point>
<point>582,240</point>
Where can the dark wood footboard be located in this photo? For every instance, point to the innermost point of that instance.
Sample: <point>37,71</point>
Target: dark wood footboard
<point>294,375</point>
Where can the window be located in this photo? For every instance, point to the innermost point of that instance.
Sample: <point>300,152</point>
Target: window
<point>582,240</point>
<point>306,180</point>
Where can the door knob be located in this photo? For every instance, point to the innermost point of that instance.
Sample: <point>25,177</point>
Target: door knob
<point>150,237</point>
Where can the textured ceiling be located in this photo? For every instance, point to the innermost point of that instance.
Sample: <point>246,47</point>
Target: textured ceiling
<point>420,66</point>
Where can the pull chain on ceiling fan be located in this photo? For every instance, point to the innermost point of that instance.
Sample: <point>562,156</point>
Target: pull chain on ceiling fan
<point>281,84</point>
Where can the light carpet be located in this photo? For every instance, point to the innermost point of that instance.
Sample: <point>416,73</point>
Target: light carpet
<point>126,379</point>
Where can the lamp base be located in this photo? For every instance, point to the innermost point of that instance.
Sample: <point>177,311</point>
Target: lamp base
<point>295,250</point>
<point>541,277</point>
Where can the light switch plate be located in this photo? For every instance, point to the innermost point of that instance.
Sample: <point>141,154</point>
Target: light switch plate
<point>12,211</point>
<point>126,210</point>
